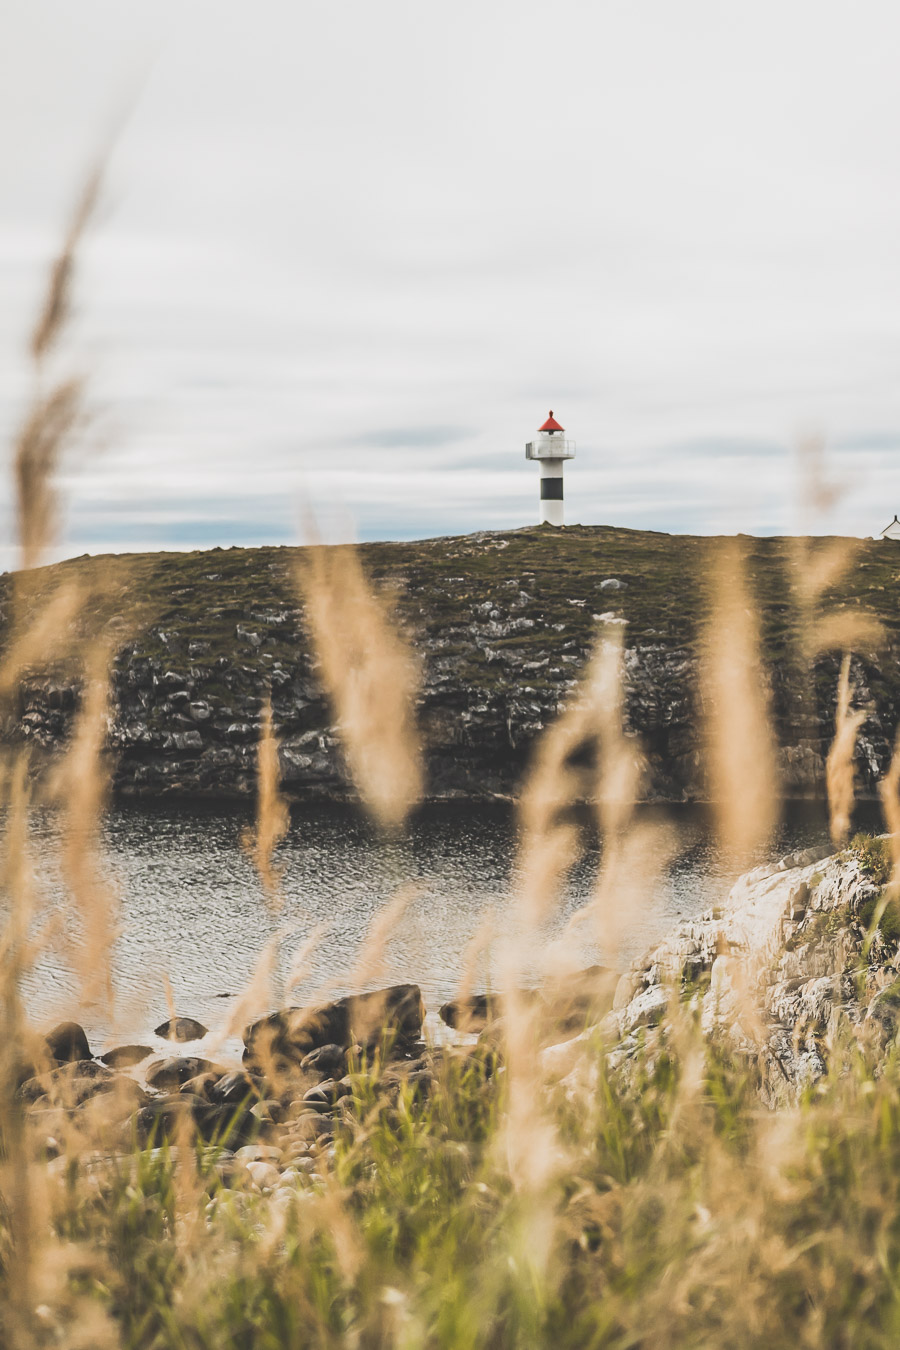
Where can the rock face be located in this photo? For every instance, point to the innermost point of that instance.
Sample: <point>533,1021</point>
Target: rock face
<point>503,623</point>
<point>788,960</point>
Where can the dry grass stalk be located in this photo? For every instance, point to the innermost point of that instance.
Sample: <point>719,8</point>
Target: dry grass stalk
<point>370,964</point>
<point>889,793</point>
<point>54,413</point>
<point>815,570</point>
<point>839,770</point>
<point>256,996</point>
<point>843,630</point>
<point>50,424</point>
<point>80,788</point>
<point>47,636</point>
<point>58,299</point>
<point>15,1178</point>
<point>478,947</point>
<point>740,747</point>
<point>583,757</point>
<point>817,567</point>
<point>272,816</point>
<point>297,971</point>
<point>621,764</point>
<point>631,869</point>
<point>371,677</point>
<point>816,492</point>
<point>589,729</point>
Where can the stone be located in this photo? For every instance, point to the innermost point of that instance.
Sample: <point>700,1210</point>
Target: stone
<point>258,1153</point>
<point>201,1085</point>
<point>168,1117</point>
<point>306,1125</point>
<point>235,1087</point>
<point>126,1056</point>
<point>288,1036</point>
<point>264,1175</point>
<point>329,1091</point>
<point>268,1110</point>
<point>181,1029</point>
<point>327,1059</point>
<point>68,1043</point>
<point>70,1084</point>
<point>175,1071</point>
<point>470,1014</point>
<point>646,1009</point>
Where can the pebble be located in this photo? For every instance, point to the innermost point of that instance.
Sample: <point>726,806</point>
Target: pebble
<point>258,1153</point>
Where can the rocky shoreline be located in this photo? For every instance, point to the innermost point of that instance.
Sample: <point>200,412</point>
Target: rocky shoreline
<point>800,954</point>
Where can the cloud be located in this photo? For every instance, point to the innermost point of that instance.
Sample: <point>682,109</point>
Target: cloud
<point>367,289</point>
<point>415,437</point>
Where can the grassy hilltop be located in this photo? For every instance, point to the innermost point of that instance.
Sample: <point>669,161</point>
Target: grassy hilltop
<point>204,593</point>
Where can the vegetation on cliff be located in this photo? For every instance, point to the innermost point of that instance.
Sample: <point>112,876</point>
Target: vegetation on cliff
<point>503,624</point>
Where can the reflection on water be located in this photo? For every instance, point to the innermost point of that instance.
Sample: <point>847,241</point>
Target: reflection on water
<point>193,914</point>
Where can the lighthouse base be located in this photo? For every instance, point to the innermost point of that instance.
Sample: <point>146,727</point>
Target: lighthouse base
<point>552,505</point>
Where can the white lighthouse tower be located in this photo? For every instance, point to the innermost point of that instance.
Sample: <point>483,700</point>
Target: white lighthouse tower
<point>550,449</point>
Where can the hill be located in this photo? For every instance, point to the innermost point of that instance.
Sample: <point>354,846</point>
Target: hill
<point>503,621</point>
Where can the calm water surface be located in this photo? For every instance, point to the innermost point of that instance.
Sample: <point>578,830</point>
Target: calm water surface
<point>192,916</point>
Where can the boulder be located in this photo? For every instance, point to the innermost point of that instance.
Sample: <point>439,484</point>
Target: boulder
<point>168,1117</point>
<point>470,1014</point>
<point>70,1084</point>
<point>307,1124</point>
<point>67,1043</point>
<point>201,1086</point>
<point>125,1056</point>
<point>286,1037</point>
<point>181,1029</point>
<point>328,1093</point>
<point>177,1114</point>
<point>327,1060</point>
<point>175,1071</point>
<point>234,1088</point>
<point>567,1003</point>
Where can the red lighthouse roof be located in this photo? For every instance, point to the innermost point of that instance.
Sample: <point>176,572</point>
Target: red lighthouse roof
<point>551,424</point>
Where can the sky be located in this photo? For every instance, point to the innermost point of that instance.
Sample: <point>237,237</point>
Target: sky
<point>349,255</point>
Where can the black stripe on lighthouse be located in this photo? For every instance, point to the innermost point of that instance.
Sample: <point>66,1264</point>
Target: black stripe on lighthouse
<point>551,489</point>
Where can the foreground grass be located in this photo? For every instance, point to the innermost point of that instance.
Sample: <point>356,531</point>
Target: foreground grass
<point>664,1209</point>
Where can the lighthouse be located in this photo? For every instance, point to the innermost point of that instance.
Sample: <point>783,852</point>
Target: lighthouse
<point>550,449</point>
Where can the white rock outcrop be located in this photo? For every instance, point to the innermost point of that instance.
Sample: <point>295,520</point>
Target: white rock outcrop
<point>774,971</point>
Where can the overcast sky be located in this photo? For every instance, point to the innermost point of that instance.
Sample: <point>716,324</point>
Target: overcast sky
<point>350,254</point>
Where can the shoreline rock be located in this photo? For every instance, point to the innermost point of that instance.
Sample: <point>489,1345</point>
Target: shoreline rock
<point>790,958</point>
<point>775,971</point>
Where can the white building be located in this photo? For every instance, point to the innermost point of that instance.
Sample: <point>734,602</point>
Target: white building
<point>891,531</point>
<point>551,449</point>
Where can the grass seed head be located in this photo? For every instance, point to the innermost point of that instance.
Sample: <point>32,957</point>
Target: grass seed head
<point>840,775</point>
<point>371,676</point>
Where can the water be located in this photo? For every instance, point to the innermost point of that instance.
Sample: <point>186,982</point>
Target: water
<point>193,917</point>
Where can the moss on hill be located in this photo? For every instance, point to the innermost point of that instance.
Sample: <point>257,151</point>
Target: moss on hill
<point>503,616</point>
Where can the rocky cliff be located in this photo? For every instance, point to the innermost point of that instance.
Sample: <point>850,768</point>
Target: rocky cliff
<point>801,958</point>
<point>503,622</point>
